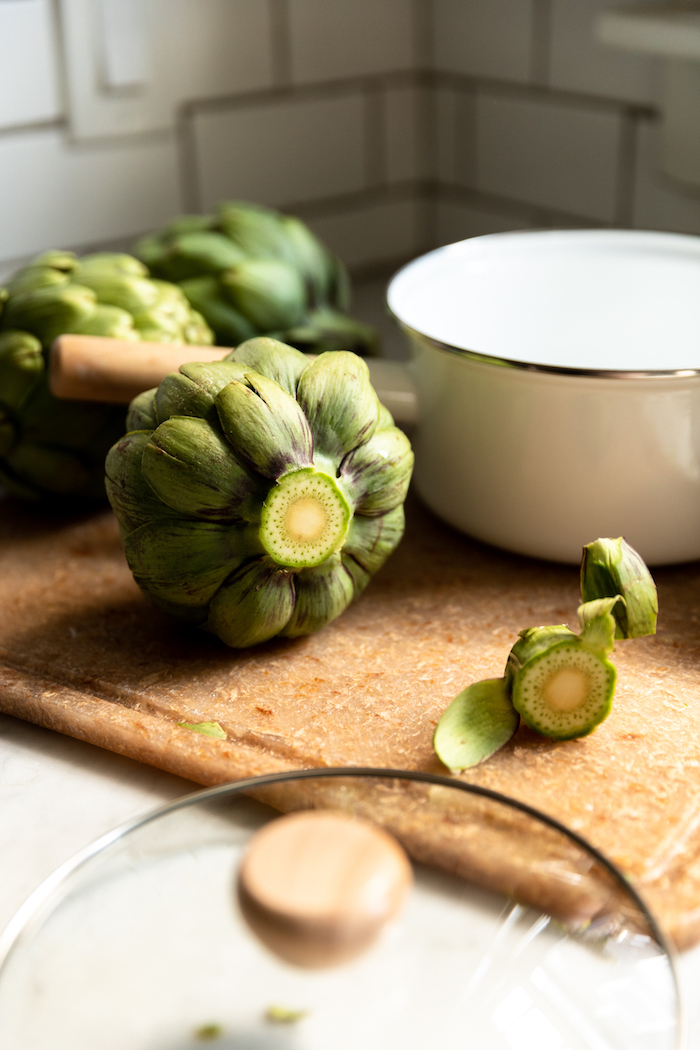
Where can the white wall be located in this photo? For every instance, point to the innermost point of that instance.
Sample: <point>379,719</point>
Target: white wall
<point>389,125</point>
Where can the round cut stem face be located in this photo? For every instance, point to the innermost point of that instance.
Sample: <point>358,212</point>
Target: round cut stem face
<point>305,519</point>
<point>564,692</point>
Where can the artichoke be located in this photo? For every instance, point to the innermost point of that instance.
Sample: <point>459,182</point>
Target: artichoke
<point>251,270</point>
<point>56,448</point>
<point>256,496</point>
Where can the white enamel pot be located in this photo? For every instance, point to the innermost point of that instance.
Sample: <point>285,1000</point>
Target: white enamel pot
<point>558,384</point>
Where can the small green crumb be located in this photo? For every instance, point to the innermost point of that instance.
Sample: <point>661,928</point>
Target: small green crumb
<point>207,728</point>
<point>283,1015</point>
<point>208,1031</point>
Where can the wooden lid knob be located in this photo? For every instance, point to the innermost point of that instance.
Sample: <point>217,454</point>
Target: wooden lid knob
<point>317,887</point>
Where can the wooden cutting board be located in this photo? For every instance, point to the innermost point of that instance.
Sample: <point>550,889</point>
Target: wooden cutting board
<point>83,652</point>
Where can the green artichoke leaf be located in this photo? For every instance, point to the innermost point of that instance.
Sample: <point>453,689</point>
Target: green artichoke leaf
<point>326,329</point>
<point>142,412</point>
<point>116,263</point>
<point>128,291</point>
<point>311,257</point>
<point>532,642</point>
<point>340,403</point>
<point>269,357</point>
<point>192,390</point>
<point>479,721</point>
<point>196,331</point>
<point>256,230</point>
<point>49,311</point>
<point>610,567</point>
<point>268,292</point>
<point>109,321</point>
<point>191,467</point>
<point>50,469</point>
<point>322,594</point>
<point>22,367</point>
<point>228,324</point>
<point>132,499</point>
<point>376,475</point>
<point>340,295</point>
<point>196,252</point>
<point>152,252</point>
<point>597,621</point>
<point>182,564</point>
<point>57,259</point>
<point>370,542</point>
<point>31,277</point>
<point>254,605</point>
<point>265,426</point>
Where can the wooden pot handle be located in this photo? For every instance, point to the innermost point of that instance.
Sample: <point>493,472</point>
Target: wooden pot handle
<point>95,368</point>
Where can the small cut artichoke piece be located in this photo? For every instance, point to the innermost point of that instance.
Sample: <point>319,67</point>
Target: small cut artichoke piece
<point>479,721</point>
<point>612,567</point>
<point>234,520</point>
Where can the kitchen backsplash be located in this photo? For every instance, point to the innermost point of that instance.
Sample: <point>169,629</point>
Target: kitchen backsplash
<point>390,125</point>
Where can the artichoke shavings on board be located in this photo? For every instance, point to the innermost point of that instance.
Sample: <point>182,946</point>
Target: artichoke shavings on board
<point>560,683</point>
<point>205,728</point>
<point>261,493</point>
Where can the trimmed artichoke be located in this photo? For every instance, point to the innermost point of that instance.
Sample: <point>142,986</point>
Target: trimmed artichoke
<point>257,496</point>
<point>55,448</point>
<point>251,270</point>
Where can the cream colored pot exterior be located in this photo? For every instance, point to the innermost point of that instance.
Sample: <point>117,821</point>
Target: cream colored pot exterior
<point>542,463</point>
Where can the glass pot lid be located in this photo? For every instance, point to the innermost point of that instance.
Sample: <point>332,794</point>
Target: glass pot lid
<point>515,935</point>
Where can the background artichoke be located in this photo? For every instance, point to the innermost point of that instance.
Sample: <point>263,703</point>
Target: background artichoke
<point>57,448</point>
<point>250,270</point>
<point>258,495</point>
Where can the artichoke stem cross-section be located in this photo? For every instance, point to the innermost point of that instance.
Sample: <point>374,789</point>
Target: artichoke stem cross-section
<point>305,519</point>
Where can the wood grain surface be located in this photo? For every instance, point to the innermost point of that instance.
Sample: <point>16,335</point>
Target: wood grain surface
<point>83,652</point>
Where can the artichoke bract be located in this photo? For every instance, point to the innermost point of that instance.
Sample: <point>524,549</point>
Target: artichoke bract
<point>54,448</point>
<point>257,496</point>
<point>251,270</point>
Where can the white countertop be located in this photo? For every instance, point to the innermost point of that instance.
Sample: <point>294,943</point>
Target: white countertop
<point>57,795</point>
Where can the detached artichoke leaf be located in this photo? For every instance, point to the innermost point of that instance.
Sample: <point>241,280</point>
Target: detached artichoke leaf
<point>376,475</point>
<point>611,567</point>
<point>191,468</point>
<point>479,721</point>
<point>597,620</point>
<point>22,367</point>
<point>265,426</point>
<point>254,605</point>
<point>49,311</point>
<point>228,323</point>
<point>340,403</point>
<point>184,563</point>
<point>370,542</point>
<point>275,360</point>
<point>142,412</point>
<point>322,594</point>
<point>50,469</point>
<point>268,292</point>
<point>133,500</point>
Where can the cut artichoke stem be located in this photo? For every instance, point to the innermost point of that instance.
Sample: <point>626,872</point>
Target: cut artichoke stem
<point>565,691</point>
<point>305,519</point>
<point>479,721</point>
<point>612,567</point>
